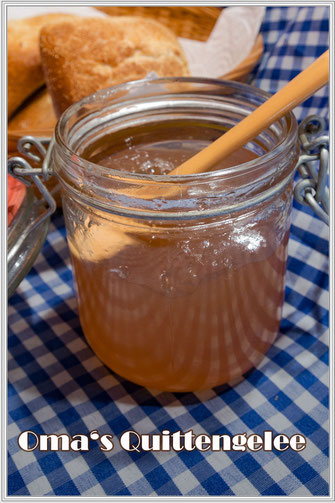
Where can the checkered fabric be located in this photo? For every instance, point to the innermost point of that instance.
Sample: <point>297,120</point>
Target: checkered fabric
<point>57,385</point>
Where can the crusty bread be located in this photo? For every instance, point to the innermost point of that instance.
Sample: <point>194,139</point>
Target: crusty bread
<point>25,74</point>
<point>38,114</point>
<point>82,56</point>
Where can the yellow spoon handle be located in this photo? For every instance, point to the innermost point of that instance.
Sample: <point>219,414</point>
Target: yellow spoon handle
<point>291,95</point>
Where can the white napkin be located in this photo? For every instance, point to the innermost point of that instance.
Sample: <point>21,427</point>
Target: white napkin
<point>231,41</point>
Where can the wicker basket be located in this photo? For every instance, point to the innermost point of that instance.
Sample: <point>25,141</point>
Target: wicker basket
<point>188,22</point>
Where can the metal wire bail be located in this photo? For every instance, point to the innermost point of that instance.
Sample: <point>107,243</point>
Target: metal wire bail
<point>20,168</point>
<point>312,190</point>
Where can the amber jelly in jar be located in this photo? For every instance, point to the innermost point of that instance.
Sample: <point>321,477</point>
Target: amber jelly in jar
<point>179,279</point>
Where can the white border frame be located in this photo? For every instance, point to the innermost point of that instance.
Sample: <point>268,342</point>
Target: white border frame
<point>3,269</point>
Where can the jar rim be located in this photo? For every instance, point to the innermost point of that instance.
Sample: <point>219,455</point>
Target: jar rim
<point>269,156</point>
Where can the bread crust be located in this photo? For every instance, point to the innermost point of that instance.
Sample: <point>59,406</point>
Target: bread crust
<point>84,55</point>
<point>24,69</point>
<point>38,114</point>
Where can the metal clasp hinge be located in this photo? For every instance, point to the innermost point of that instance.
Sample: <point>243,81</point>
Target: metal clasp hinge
<point>312,190</point>
<point>20,168</point>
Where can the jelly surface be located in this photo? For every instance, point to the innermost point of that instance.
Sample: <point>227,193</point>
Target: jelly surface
<point>157,152</point>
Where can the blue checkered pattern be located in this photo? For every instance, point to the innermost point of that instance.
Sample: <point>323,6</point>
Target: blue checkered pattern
<point>57,385</point>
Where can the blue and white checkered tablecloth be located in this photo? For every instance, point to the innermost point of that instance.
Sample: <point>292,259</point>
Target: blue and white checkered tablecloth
<point>57,385</point>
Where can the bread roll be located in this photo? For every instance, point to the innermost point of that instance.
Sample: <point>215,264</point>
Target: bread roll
<point>38,114</point>
<point>25,74</point>
<point>83,56</point>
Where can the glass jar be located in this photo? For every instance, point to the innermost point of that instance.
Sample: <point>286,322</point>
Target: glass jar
<point>24,239</point>
<point>180,279</point>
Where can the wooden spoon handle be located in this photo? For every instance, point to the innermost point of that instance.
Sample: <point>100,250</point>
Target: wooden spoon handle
<point>291,95</point>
